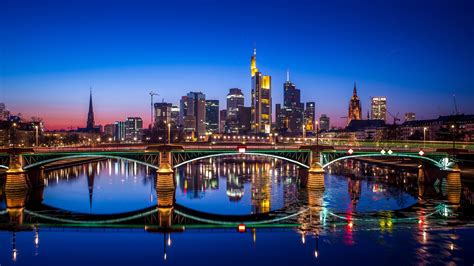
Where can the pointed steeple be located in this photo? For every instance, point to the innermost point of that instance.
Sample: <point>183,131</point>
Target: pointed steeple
<point>355,89</point>
<point>90,183</point>
<point>90,115</point>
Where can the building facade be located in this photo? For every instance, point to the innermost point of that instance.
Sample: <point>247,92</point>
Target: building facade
<point>195,118</point>
<point>133,129</point>
<point>355,109</point>
<point>261,105</point>
<point>212,116</point>
<point>235,101</point>
<point>324,122</point>
<point>378,108</point>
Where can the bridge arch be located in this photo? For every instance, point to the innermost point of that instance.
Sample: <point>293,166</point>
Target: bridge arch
<point>440,164</point>
<point>105,156</point>
<point>240,153</point>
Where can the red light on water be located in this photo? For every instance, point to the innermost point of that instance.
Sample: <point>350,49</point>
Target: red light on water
<point>241,228</point>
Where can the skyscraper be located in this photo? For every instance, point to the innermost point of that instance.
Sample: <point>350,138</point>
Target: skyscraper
<point>212,116</point>
<point>324,122</point>
<point>261,99</point>
<point>310,115</point>
<point>195,113</point>
<point>162,113</point>
<point>133,129</point>
<point>235,101</point>
<point>355,109</point>
<point>378,108</point>
<point>292,107</point>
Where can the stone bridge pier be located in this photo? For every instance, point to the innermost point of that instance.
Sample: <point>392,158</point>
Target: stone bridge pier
<point>316,171</point>
<point>165,184</point>
<point>453,186</point>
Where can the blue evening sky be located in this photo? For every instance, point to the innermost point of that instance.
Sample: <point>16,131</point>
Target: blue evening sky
<point>417,53</point>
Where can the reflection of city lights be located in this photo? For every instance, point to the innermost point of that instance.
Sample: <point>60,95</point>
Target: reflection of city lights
<point>451,246</point>
<point>350,225</point>
<point>241,228</point>
<point>14,254</point>
<point>316,254</point>
<point>303,238</point>
<point>164,256</point>
<point>169,240</point>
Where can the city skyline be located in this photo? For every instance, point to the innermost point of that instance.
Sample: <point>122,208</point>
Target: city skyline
<point>48,69</point>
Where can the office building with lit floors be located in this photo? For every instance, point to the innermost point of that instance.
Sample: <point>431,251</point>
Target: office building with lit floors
<point>212,116</point>
<point>378,108</point>
<point>261,105</point>
<point>195,117</point>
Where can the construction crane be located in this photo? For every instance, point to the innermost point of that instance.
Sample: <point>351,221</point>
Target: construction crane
<point>395,117</point>
<point>455,105</point>
<point>151,110</point>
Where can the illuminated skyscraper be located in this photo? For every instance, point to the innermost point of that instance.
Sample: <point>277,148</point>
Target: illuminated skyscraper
<point>292,107</point>
<point>324,122</point>
<point>212,116</point>
<point>261,99</point>
<point>195,113</point>
<point>378,108</point>
<point>235,102</point>
<point>355,109</point>
<point>310,116</point>
<point>133,129</point>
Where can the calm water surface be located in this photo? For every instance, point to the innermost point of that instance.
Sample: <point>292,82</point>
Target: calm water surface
<point>243,186</point>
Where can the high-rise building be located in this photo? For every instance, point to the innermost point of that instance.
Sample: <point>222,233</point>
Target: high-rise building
<point>195,114</point>
<point>183,110</point>
<point>261,99</point>
<point>212,116</point>
<point>4,113</point>
<point>175,115</point>
<point>222,121</point>
<point>310,115</point>
<point>355,109</point>
<point>235,101</point>
<point>245,115</point>
<point>324,122</point>
<point>410,116</point>
<point>133,129</point>
<point>109,130</point>
<point>378,108</point>
<point>292,109</point>
<point>162,113</point>
<point>119,134</point>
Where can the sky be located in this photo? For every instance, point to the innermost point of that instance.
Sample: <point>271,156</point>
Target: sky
<point>417,53</point>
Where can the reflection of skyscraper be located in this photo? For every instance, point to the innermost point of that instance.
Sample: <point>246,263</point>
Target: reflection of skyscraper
<point>261,98</point>
<point>355,109</point>
<point>261,189</point>
<point>235,188</point>
<point>354,189</point>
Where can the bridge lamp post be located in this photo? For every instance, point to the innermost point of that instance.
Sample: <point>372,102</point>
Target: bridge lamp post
<point>453,128</point>
<point>424,137</point>
<point>169,133</point>
<point>317,133</point>
<point>36,135</point>
<point>14,125</point>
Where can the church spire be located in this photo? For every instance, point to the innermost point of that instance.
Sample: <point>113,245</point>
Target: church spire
<point>355,89</point>
<point>90,115</point>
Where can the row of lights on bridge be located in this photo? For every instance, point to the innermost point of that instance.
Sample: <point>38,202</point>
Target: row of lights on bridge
<point>383,152</point>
